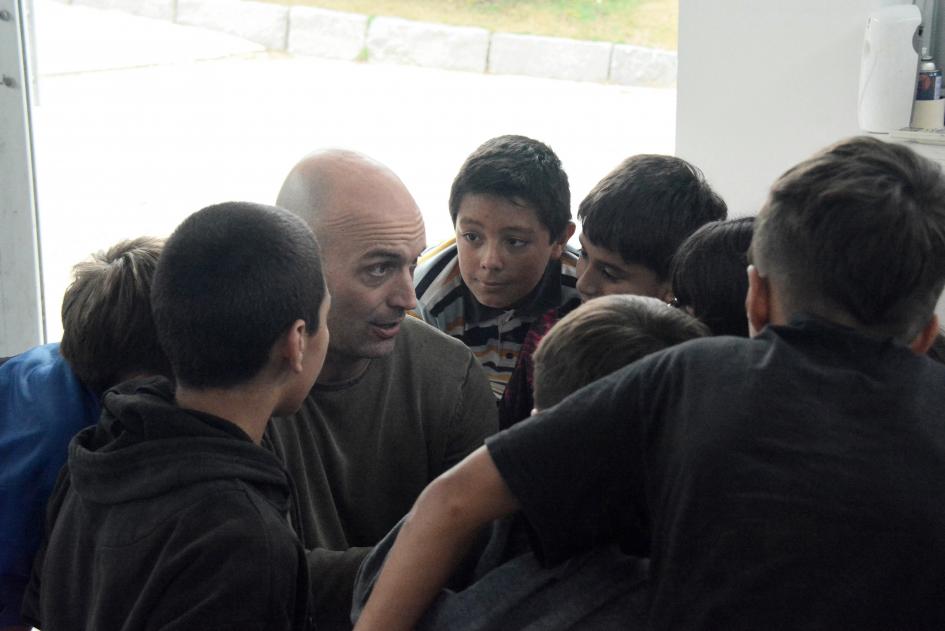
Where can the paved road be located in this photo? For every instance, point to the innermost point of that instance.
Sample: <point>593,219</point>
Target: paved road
<point>141,122</point>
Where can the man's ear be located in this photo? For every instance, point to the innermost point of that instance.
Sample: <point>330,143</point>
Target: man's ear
<point>558,248</point>
<point>757,301</point>
<point>924,340</point>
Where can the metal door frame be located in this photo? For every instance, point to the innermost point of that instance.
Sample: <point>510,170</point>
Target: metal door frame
<point>22,322</point>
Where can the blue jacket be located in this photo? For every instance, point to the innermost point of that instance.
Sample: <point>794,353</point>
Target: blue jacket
<point>42,406</point>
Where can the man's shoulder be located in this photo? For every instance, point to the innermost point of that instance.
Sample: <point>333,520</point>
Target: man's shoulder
<point>421,342</point>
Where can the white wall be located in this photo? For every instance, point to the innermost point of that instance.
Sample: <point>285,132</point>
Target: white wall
<point>20,303</point>
<point>762,85</point>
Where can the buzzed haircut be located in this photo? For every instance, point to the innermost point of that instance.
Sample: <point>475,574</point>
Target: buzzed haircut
<point>857,234</point>
<point>710,275</point>
<point>232,279</point>
<point>646,207</point>
<point>602,336</point>
<point>521,170</point>
<point>108,332</point>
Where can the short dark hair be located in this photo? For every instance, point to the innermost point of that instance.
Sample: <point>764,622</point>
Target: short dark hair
<point>604,335</point>
<point>856,234</point>
<point>232,279</point>
<point>521,170</point>
<point>710,275</point>
<point>108,334</point>
<point>646,207</point>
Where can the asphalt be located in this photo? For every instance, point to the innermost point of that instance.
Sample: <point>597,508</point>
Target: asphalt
<point>140,122</point>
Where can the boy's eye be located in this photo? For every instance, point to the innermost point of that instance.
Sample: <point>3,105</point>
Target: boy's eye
<point>609,274</point>
<point>582,253</point>
<point>472,237</point>
<point>517,243</point>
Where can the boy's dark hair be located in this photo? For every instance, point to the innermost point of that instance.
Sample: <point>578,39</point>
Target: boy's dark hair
<point>856,234</point>
<point>646,207</point>
<point>108,333</point>
<point>710,275</point>
<point>604,335</point>
<point>521,170</point>
<point>232,279</point>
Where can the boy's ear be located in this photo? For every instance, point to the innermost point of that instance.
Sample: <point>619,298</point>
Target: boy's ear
<point>666,293</point>
<point>294,343</point>
<point>558,248</point>
<point>924,340</point>
<point>757,301</point>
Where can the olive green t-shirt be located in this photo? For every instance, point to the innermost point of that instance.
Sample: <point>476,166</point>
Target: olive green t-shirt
<point>361,452</point>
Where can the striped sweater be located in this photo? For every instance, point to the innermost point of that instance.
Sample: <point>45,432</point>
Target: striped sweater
<point>495,336</point>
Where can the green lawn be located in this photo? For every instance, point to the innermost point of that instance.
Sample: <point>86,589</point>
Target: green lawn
<point>641,22</point>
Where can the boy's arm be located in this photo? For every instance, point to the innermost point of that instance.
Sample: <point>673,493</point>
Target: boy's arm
<point>436,534</point>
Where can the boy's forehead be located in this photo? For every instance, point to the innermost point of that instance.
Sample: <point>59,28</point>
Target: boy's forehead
<point>601,251</point>
<point>499,213</point>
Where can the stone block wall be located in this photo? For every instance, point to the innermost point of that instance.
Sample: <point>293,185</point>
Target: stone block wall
<point>351,36</point>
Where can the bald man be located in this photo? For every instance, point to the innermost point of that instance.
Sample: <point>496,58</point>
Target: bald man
<point>397,402</point>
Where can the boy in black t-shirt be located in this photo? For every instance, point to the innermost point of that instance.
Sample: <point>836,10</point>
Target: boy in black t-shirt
<point>793,479</point>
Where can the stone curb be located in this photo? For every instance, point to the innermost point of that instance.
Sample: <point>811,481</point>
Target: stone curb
<point>550,57</point>
<point>351,36</point>
<point>324,33</point>
<point>259,22</point>
<point>395,40</point>
<point>635,65</point>
<point>159,9</point>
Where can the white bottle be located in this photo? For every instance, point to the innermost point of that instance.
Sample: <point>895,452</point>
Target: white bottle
<point>888,69</point>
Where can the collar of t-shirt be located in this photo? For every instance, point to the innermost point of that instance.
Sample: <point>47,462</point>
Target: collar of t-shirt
<point>832,337</point>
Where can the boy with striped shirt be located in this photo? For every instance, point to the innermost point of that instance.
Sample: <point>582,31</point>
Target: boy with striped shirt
<point>509,262</point>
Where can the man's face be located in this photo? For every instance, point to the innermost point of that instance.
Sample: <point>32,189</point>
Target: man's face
<point>373,236</point>
<point>603,272</point>
<point>503,249</point>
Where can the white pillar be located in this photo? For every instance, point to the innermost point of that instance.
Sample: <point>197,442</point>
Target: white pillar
<point>21,305</point>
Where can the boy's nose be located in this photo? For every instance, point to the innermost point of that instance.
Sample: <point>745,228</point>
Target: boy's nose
<point>491,257</point>
<point>587,285</point>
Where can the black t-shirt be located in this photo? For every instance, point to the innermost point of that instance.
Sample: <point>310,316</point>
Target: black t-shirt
<point>795,480</point>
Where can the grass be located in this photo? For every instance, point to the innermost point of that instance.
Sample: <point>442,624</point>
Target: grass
<point>641,22</point>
